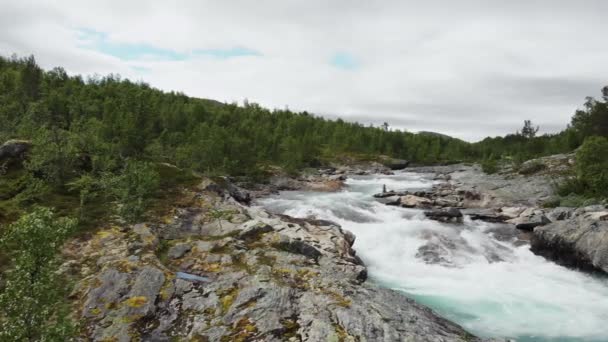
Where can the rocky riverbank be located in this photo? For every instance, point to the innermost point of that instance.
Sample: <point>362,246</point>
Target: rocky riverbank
<point>216,269</point>
<point>575,237</point>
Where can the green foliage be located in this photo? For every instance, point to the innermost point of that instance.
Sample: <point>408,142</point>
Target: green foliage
<point>489,166</point>
<point>97,124</point>
<point>592,165</point>
<point>31,301</point>
<point>132,188</point>
<point>85,132</point>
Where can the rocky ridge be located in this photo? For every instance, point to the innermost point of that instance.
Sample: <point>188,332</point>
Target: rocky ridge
<point>215,269</point>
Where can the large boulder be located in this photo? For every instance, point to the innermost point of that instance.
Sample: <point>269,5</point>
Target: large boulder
<point>397,164</point>
<point>14,149</point>
<point>580,242</point>
<point>447,215</point>
<point>530,219</point>
<point>412,201</point>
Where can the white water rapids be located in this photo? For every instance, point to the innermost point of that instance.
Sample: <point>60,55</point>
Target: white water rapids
<point>487,283</point>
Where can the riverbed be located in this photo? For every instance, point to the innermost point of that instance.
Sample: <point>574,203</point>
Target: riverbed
<point>477,274</point>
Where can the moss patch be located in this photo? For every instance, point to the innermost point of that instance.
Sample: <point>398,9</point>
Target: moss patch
<point>136,302</point>
<point>227,298</point>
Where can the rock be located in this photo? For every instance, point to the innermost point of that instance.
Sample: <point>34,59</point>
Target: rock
<point>240,195</point>
<point>269,278</point>
<point>487,215</point>
<point>337,178</point>
<point>445,215</point>
<point>142,297</point>
<point>298,247</point>
<point>391,200</point>
<point>179,250</point>
<point>191,278</point>
<point>580,242</point>
<point>389,194</point>
<point>254,230</point>
<point>591,208</point>
<point>511,212</point>
<point>529,219</point>
<point>223,186</point>
<point>146,236</point>
<point>411,201</point>
<point>350,237</point>
<point>397,164</point>
<point>112,285</point>
<point>14,149</point>
<point>447,201</point>
<point>560,214</point>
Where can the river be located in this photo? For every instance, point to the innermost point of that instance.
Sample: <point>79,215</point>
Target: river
<point>471,273</point>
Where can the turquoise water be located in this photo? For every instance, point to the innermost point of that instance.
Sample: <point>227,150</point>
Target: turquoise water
<point>492,288</point>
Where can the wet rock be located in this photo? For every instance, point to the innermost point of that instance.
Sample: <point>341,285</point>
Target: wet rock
<point>452,215</point>
<point>391,200</point>
<point>412,201</point>
<point>240,195</point>
<point>511,212</point>
<point>350,237</point>
<point>389,194</point>
<point>448,201</point>
<point>580,242</point>
<point>397,164</point>
<point>487,215</point>
<point>529,219</point>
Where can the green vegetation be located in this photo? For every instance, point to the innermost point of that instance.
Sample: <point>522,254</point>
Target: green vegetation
<point>32,305</point>
<point>489,165</point>
<point>591,178</point>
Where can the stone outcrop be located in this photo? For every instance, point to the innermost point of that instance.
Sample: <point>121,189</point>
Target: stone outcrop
<point>13,150</point>
<point>396,164</point>
<point>244,276</point>
<point>580,241</point>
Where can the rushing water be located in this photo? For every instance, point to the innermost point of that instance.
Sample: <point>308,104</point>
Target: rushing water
<point>474,276</point>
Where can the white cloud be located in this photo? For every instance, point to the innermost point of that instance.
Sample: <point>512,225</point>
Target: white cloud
<point>466,68</point>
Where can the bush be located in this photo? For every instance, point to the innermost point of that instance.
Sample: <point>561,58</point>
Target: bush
<point>132,188</point>
<point>489,166</point>
<point>592,165</point>
<point>32,306</point>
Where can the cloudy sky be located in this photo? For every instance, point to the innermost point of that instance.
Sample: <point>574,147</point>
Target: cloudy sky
<point>464,68</point>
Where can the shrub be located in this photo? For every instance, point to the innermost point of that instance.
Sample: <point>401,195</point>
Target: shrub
<point>592,165</point>
<point>31,302</point>
<point>132,188</point>
<point>489,166</point>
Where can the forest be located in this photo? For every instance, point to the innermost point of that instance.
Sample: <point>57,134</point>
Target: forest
<point>100,133</point>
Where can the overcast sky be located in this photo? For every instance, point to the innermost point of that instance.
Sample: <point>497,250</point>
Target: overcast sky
<point>464,68</point>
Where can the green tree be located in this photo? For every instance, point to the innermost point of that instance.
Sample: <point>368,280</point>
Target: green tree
<point>32,306</point>
<point>529,131</point>
<point>132,188</point>
<point>592,165</point>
